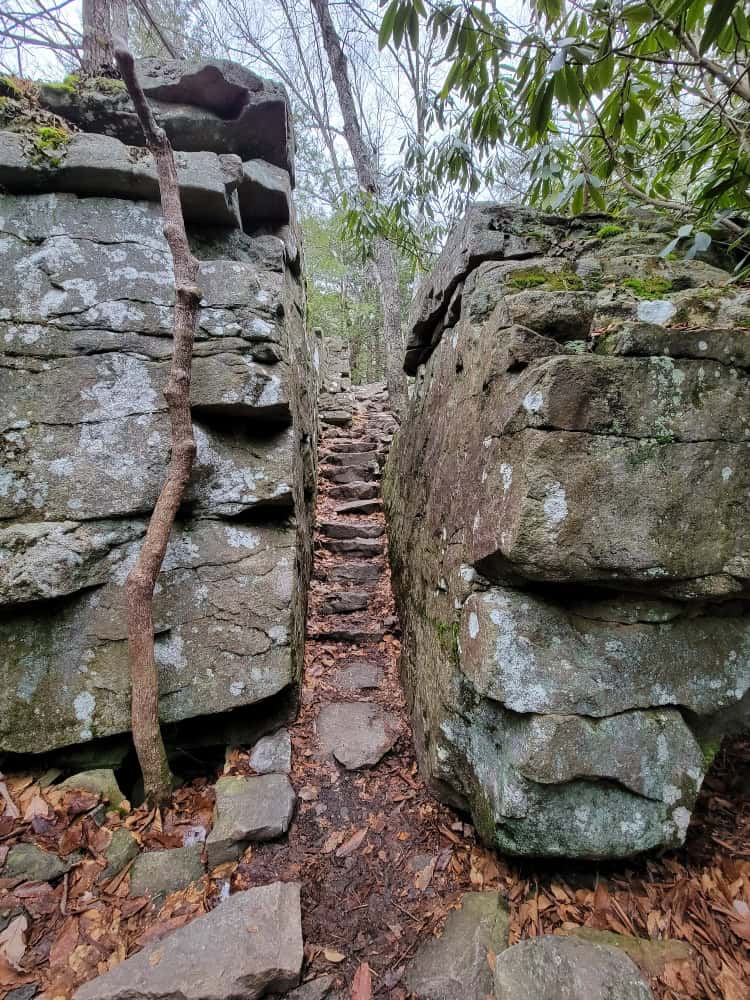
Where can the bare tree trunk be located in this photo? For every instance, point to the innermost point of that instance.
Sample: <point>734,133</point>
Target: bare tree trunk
<point>102,20</point>
<point>142,578</point>
<point>385,262</point>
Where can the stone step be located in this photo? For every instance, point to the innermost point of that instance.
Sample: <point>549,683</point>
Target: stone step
<point>346,602</point>
<point>357,490</point>
<point>358,676</point>
<point>364,506</point>
<point>332,474</point>
<point>358,734</point>
<point>348,458</point>
<point>348,445</point>
<point>367,547</point>
<point>340,529</point>
<point>355,636</point>
<point>355,572</point>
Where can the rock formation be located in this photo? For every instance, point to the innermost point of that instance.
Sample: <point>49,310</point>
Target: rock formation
<point>86,295</point>
<point>336,400</point>
<point>569,530</point>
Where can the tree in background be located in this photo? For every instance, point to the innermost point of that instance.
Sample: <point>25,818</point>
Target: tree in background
<point>611,103</point>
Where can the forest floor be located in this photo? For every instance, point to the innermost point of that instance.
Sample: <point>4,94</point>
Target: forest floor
<point>380,861</point>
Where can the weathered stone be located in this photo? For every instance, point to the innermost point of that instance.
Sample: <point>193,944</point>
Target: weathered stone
<point>363,547</point>
<point>651,956</point>
<point>563,968</point>
<point>30,862</point>
<point>356,490</point>
<point>355,572</point>
<point>212,105</point>
<point>360,507</point>
<point>248,946</point>
<point>315,989</point>
<point>568,535</point>
<point>248,809</point>
<point>340,529</point>
<point>101,781</point>
<point>100,165</point>
<point>345,602</point>
<point>349,633</point>
<point>158,873</point>
<point>123,848</point>
<point>265,194</point>
<point>456,963</point>
<point>359,675</point>
<point>23,992</point>
<point>358,734</point>
<point>354,458</point>
<point>272,754</point>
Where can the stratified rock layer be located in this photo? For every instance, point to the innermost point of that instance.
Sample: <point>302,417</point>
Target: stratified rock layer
<point>86,297</point>
<point>568,507</point>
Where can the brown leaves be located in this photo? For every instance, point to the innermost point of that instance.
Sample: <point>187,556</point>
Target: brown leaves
<point>13,941</point>
<point>362,983</point>
<point>351,845</point>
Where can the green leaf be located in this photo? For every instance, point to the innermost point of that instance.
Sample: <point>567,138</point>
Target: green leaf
<point>717,19</point>
<point>414,28</point>
<point>386,25</point>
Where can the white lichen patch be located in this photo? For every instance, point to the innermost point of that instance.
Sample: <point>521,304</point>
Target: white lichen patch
<point>533,401</point>
<point>555,506</point>
<point>241,538</point>
<point>658,311</point>
<point>84,705</point>
<point>473,625</point>
<point>169,651</point>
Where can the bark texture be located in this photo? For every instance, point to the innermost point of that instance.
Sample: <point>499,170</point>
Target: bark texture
<point>385,262</point>
<point>102,20</point>
<point>142,578</point>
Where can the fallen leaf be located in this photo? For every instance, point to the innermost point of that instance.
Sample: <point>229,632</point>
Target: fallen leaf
<point>362,983</point>
<point>10,807</point>
<point>155,957</point>
<point>13,941</point>
<point>331,955</point>
<point>333,841</point>
<point>424,876</point>
<point>352,843</point>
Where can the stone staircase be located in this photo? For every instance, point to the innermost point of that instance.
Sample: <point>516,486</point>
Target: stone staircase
<point>350,566</point>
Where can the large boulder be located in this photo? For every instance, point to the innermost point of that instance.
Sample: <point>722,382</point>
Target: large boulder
<point>249,946</point>
<point>86,314</point>
<point>571,554</point>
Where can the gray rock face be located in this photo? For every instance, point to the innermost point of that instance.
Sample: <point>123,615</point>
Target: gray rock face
<point>358,734</point>
<point>560,968</point>
<point>248,809</point>
<point>455,964</point>
<point>248,946</point>
<point>157,873</point>
<point>568,535</point>
<point>123,848</point>
<point>213,105</point>
<point>333,364</point>
<point>86,300</point>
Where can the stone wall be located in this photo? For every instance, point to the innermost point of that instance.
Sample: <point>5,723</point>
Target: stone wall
<point>86,292</point>
<point>569,530</point>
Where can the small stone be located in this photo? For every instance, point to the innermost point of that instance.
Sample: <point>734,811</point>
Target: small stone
<point>358,734</point>
<point>359,675</point>
<point>122,849</point>
<point>354,491</point>
<point>360,506</point>
<point>272,754</point>
<point>455,964</point>
<point>364,547</point>
<point>102,782</point>
<point>339,529</point>
<point>157,873</point>
<point>345,603</point>
<point>315,989</point>
<point>23,992</point>
<point>31,862</point>
<point>247,809</point>
<point>355,572</point>
<point>248,946</point>
<point>552,967</point>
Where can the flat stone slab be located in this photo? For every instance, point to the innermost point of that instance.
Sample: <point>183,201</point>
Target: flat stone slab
<point>345,603</point>
<point>100,781</point>
<point>31,862</point>
<point>455,964</point>
<point>102,165</point>
<point>157,873</point>
<point>352,458</point>
<point>248,809</point>
<point>358,734</point>
<point>359,676</point>
<point>366,547</point>
<point>354,491</point>
<point>340,529</point>
<point>553,968</point>
<point>248,946</point>
<point>355,572</point>
<point>351,634</point>
<point>360,507</point>
<point>272,754</point>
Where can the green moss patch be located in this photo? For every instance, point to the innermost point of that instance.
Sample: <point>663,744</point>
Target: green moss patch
<point>50,143</point>
<point>611,229</point>
<point>553,281</point>
<point>648,288</point>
